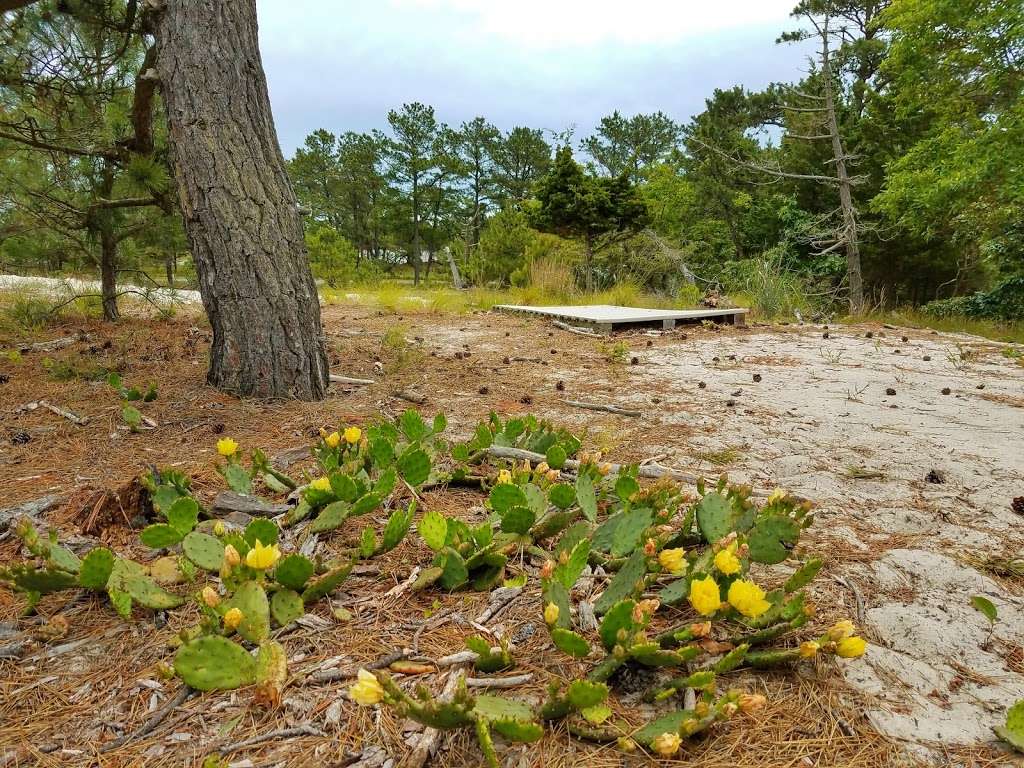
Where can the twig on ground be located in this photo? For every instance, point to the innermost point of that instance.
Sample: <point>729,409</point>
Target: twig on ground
<point>281,733</point>
<point>501,598</point>
<point>147,727</point>
<point>334,675</point>
<point>574,329</point>
<point>602,407</point>
<point>69,415</point>
<point>857,597</point>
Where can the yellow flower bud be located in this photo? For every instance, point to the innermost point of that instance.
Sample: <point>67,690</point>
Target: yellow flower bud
<point>504,476</point>
<point>542,468</point>
<point>553,475</point>
<point>809,649</point>
<point>232,618</point>
<point>321,484</point>
<point>604,469</point>
<point>261,557</point>
<point>666,744</point>
<point>551,614</point>
<point>851,647</point>
<point>841,629</point>
<point>730,709</point>
<point>218,528</point>
<point>227,447</point>
<point>547,569</point>
<point>231,556</point>
<point>777,495</point>
<point>333,440</point>
<point>210,597</point>
<point>626,744</point>
<point>352,435</point>
<point>650,547</point>
<point>367,690</point>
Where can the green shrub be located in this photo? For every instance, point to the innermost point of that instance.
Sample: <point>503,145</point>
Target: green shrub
<point>335,260</point>
<point>772,290</point>
<point>1003,302</point>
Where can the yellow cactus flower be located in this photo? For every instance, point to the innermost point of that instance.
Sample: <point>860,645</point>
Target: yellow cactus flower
<point>747,598</point>
<point>219,529</point>
<point>809,649</point>
<point>262,557</point>
<point>231,556</point>
<point>542,468</point>
<point>705,596</point>
<point>367,690</point>
<point>227,447</point>
<point>210,597</point>
<point>726,561</point>
<point>851,647</point>
<point>547,569</point>
<point>751,702</point>
<point>666,744</point>
<point>232,618</point>
<point>551,614</point>
<point>321,484</point>
<point>777,495</point>
<point>553,475</point>
<point>352,435</point>
<point>504,476</point>
<point>673,560</point>
<point>841,629</point>
<point>333,440</point>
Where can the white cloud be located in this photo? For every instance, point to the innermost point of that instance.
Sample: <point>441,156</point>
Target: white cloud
<point>561,23</point>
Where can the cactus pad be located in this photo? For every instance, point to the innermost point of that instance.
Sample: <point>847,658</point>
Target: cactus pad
<point>332,516</point>
<point>586,497</point>
<point>183,514</point>
<point>433,528</point>
<point>95,569</point>
<point>262,530</point>
<point>583,693</point>
<point>42,581</point>
<point>204,550</point>
<point>396,528</point>
<point>160,535</point>
<point>414,466</point>
<point>251,599</point>
<point>286,606</point>
<point>570,642</point>
<point>617,624</point>
<point>517,519</point>
<point>625,582</point>
<point>293,571</point>
<point>214,663</point>
<point>323,586</point>
<point>504,496</point>
<point>1013,731</point>
<point>562,496</point>
<point>569,571</point>
<point>771,539</point>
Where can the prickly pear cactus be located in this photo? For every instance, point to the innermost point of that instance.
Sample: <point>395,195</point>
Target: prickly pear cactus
<point>251,599</point>
<point>214,663</point>
<point>204,550</point>
<point>95,569</point>
<point>286,606</point>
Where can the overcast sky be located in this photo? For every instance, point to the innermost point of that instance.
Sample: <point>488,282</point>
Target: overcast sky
<point>342,64</point>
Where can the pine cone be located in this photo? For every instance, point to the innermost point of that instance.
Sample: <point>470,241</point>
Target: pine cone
<point>1018,505</point>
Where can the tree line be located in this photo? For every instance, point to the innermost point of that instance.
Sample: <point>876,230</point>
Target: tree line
<point>889,173</point>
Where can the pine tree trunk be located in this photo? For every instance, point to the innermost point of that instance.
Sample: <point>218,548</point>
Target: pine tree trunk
<point>240,214</point>
<point>108,274</point>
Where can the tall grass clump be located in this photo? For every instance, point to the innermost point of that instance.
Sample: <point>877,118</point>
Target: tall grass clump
<point>767,286</point>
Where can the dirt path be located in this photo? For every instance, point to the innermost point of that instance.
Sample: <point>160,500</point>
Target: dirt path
<point>910,550</point>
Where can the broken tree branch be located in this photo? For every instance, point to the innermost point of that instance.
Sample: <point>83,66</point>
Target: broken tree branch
<point>336,379</point>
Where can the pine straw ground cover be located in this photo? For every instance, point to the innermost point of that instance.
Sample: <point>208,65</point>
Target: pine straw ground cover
<point>81,688</point>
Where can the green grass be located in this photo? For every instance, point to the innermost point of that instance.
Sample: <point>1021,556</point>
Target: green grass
<point>996,330</point>
<point>401,299</point>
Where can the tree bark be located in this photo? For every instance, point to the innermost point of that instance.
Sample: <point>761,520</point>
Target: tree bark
<point>588,264</point>
<point>108,274</point>
<point>241,216</point>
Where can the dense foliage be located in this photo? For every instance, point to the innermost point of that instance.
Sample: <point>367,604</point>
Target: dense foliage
<point>928,112</point>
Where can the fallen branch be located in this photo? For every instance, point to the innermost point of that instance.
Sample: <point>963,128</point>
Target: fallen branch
<point>228,502</point>
<point>336,379</point>
<point>334,675</point>
<point>574,329</point>
<point>30,509</point>
<point>53,345</point>
<point>147,727</point>
<point>69,415</point>
<point>281,733</point>
<point>602,407</point>
<point>499,682</point>
<point>412,397</point>
<point>501,598</point>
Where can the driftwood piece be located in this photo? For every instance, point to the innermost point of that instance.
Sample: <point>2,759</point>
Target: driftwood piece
<point>64,412</point>
<point>334,675</point>
<point>228,502</point>
<point>30,509</point>
<point>575,329</point>
<point>498,682</point>
<point>336,379</point>
<point>412,397</point>
<point>602,407</point>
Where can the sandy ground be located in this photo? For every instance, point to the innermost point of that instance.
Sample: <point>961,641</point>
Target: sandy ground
<point>913,488</point>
